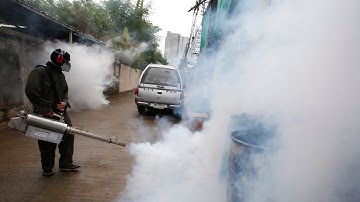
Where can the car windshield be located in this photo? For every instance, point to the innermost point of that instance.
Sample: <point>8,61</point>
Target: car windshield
<point>161,76</point>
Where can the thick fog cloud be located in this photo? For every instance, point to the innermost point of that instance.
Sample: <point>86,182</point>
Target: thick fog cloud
<point>295,63</point>
<point>91,73</point>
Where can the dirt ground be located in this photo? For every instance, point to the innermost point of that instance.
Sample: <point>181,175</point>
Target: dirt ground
<point>104,166</point>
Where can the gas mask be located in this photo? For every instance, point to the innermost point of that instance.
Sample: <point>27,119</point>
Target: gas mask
<point>66,66</point>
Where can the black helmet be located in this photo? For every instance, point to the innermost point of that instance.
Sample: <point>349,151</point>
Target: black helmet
<point>59,57</point>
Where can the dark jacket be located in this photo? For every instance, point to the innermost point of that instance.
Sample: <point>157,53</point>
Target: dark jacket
<point>40,92</point>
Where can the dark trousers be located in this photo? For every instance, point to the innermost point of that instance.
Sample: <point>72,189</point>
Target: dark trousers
<point>66,150</point>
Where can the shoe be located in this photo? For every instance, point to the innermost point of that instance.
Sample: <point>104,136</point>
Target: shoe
<point>48,173</point>
<point>69,167</point>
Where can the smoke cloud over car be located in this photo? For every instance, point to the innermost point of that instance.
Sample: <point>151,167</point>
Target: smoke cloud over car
<point>296,64</point>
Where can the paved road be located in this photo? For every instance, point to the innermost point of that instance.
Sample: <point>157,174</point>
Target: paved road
<point>104,167</point>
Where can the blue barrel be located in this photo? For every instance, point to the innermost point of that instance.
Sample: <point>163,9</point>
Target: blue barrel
<point>250,148</point>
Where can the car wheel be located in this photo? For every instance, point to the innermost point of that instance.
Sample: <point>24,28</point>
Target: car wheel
<point>178,113</point>
<point>141,109</point>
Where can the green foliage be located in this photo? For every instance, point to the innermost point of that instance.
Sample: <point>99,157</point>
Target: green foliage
<point>86,16</point>
<point>135,18</point>
<point>125,24</point>
<point>126,35</point>
<point>120,12</point>
<point>46,6</point>
<point>151,55</point>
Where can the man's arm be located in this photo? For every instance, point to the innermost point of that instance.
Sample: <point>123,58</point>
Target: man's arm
<point>66,97</point>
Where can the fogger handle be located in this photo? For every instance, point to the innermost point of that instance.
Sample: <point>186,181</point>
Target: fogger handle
<point>87,134</point>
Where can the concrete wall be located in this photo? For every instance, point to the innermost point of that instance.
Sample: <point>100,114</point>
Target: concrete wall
<point>129,78</point>
<point>17,51</point>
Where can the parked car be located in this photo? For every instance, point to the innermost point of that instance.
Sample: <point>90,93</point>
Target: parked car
<point>160,87</point>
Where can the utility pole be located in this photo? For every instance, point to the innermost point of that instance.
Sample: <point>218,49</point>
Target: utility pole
<point>195,9</point>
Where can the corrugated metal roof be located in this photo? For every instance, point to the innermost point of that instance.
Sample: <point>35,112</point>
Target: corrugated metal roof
<point>28,20</point>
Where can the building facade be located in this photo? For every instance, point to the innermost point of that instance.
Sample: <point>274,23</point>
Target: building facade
<point>175,46</point>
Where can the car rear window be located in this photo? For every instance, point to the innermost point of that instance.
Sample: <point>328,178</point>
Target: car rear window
<point>161,76</point>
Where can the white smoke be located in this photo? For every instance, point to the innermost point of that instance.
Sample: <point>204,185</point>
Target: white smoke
<point>296,62</point>
<point>91,73</point>
<point>174,169</point>
<point>130,53</point>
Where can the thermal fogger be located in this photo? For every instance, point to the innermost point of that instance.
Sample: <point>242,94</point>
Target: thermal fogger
<point>48,129</point>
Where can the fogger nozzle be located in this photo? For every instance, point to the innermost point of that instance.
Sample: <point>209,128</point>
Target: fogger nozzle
<point>91,135</point>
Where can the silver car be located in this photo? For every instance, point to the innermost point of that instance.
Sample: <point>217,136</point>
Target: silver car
<point>160,87</point>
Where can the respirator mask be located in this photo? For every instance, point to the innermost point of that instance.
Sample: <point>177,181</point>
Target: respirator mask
<point>66,66</point>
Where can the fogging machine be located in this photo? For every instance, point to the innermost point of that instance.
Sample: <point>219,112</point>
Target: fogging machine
<point>50,130</point>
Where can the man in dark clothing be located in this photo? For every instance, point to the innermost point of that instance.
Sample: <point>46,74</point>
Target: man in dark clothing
<point>47,90</point>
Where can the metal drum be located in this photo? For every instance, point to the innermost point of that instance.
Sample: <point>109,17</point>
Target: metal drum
<point>250,149</point>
